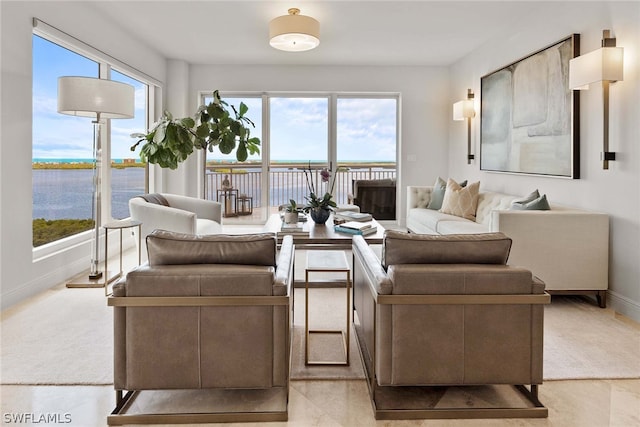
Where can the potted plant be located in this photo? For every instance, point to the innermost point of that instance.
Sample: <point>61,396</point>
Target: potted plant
<point>291,212</point>
<point>319,208</point>
<point>170,141</point>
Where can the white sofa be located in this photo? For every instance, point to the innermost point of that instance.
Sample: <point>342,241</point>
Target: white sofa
<point>566,248</point>
<point>173,212</point>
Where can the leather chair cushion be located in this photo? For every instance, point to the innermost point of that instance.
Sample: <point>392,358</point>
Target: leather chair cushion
<point>169,248</point>
<point>406,248</point>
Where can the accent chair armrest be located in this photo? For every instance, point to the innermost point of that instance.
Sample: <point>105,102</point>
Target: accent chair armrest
<point>284,270</point>
<point>373,268</point>
<point>155,216</point>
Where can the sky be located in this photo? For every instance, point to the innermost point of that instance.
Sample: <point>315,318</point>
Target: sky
<point>366,127</point>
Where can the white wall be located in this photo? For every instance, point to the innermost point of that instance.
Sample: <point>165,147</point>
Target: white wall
<point>424,91</point>
<point>615,191</point>
<point>19,275</point>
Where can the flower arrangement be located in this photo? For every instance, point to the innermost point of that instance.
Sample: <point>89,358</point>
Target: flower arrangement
<point>313,201</point>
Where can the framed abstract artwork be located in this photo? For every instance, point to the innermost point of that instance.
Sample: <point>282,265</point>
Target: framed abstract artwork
<point>530,116</point>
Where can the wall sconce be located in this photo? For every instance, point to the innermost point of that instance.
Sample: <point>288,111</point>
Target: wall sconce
<point>464,110</point>
<point>602,65</point>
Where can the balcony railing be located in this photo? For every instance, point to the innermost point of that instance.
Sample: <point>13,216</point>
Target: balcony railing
<point>288,180</point>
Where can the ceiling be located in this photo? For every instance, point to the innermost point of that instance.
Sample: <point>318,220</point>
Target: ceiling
<point>356,32</point>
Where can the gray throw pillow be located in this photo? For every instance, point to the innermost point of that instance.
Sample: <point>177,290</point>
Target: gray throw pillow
<point>528,198</point>
<point>539,204</point>
<point>437,194</point>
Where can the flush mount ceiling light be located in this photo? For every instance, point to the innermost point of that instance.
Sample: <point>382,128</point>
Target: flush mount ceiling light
<point>294,32</point>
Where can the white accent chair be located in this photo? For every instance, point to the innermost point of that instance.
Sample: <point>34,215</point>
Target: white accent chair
<point>172,212</point>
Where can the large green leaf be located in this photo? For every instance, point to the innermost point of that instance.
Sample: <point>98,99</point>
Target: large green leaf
<point>188,122</point>
<point>243,109</point>
<point>159,134</point>
<point>241,152</point>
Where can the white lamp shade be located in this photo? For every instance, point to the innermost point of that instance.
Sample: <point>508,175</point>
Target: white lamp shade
<point>88,97</point>
<point>604,64</point>
<point>294,33</point>
<point>463,110</point>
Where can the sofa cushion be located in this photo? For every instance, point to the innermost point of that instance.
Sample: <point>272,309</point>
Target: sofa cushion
<point>405,248</point>
<point>431,218</point>
<point>168,248</point>
<point>461,201</point>
<point>461,227</point>
<point>155,198</point>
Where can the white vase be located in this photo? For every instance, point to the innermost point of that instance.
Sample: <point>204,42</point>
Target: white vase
<point>290,217</point>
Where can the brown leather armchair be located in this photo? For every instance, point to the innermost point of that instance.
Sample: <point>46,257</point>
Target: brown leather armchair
<point>208,313</point>
<point>446,311</point>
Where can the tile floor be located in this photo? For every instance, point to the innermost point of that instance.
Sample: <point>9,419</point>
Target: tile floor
<point>579,403</point>
<point>586,403</point>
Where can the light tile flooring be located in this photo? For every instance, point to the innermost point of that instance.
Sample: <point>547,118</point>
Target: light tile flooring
<point>586,403</point>
<point>583,403</point>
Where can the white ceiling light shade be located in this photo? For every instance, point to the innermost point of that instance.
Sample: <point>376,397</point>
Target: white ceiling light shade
<point>294,32</point>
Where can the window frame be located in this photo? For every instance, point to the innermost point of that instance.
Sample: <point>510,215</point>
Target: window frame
<point>332,142</point>
<point>106,63</point>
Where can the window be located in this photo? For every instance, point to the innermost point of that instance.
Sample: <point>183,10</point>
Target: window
<point>359,141</point>
<point>127,173</point>
<point>62,148</point>
<point>62,155</point>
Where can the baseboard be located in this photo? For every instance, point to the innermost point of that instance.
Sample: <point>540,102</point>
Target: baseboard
<point>43,283</point>
<point>624,305</point>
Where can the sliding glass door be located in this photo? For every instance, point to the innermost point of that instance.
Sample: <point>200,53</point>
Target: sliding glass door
<point>366,140</point>
<point>298,142</point>
<point>239,185</point>
<point>353,136</point>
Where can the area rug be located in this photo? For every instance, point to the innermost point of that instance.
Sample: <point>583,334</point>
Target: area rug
<point>64,337</point>
<point>328,311</point>
<point>584,341</point>
<point>60,337</point>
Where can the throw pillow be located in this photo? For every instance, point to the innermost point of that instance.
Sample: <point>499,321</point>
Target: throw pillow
<point>437,194</point>
<point>539,204</point>
<point>155,198</point>
<point>526,199</point>
<point>461,201</point>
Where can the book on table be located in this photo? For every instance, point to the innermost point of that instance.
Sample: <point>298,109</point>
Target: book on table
<point>353,216</point>
<point>297,228</point>
<point>363,232</point>
<point>357,225</point>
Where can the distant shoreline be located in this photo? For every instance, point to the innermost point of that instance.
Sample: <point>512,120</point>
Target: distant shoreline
<point>81,164</point>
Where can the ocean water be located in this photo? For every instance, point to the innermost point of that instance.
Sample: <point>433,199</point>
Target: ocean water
<point>67,193</point>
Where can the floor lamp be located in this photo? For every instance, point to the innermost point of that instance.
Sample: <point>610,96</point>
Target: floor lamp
<point>99,99</point>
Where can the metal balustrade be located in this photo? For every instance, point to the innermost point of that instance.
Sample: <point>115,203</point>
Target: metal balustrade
<point>288,180</point>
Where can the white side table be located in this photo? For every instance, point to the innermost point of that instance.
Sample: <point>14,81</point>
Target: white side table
<point>118,225</point>
<point>329,261</point>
